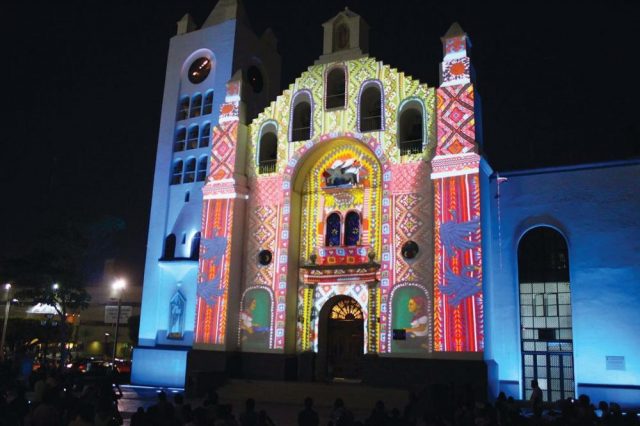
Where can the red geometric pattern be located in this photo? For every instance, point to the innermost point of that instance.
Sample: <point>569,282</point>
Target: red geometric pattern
<point>223,152</point>
<point>408,176</point>
<point>456,120</point>
<point>211,318</point>
<point>457,328</point>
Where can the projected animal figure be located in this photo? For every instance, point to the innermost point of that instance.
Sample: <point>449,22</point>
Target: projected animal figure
<point>455,235</point>
<point>214,249</point>
<point>460,286</point>
<point>343,172</point>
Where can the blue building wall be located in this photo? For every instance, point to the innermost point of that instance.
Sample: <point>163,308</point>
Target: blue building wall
<point>597,209</point>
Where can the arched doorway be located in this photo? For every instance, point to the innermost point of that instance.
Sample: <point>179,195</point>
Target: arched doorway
<point>545,314</point>
<point>341,340</point>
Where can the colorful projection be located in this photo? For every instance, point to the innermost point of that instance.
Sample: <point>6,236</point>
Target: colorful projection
<point>349,214</point>
<point>255,319</point>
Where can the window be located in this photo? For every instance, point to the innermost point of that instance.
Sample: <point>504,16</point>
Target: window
<point>195,246</point>
<point>207,108</point>
<point>268,150</point>
<point>184,238</point>
<point>340,37</point>
<point>187,196</point>
<point>169,247</point>
<point>196,104</point>
<point>410,129</point>
<point>265,257</point>
<point>332,237</point>
<point>370,108</point>
<point>409,250</point>
<point>199,70</point>
<point>545,313</point>
<point>192,142</point>
<point>255,78</point>
<point>205,134</point>
<point>176,176</point>
<point>181,136</point>
<point>301,118</point>
<point>352,229</point>
<point>183,108</point>
<point>190,171</point>
<point>336,89</point>
<point>201,174</point>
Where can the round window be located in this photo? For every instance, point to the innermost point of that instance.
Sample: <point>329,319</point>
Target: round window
<point>256,81</point>
<point>410,250</point>
<point>199,70</point>
<point>265,257</point>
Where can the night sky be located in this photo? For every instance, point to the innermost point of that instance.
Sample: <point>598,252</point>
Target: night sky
<point>558,86</point>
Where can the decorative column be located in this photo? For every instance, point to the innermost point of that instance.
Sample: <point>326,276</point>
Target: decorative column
<point>307,323</point>
<point>458,316</point>
<point>224,199</point>
<point>373,324</point>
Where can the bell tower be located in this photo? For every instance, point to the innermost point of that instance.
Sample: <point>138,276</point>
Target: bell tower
<point>201,61</point>
<point>346,36</point>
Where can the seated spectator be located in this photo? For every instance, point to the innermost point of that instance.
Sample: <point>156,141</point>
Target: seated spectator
<point>308,416</point>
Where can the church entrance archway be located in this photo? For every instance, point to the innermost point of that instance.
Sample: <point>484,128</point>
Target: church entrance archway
<point>341,339</point>
<point>545,314</point>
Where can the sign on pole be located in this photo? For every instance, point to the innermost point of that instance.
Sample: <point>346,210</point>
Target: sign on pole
<point>111,313</point>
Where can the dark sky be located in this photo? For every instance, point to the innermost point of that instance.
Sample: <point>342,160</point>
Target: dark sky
<point>558,85</point>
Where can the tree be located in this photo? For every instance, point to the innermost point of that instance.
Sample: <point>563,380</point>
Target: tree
<point>65,299</point>
<point>58,265</point>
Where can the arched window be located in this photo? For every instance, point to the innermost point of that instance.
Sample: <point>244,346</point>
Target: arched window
<point>190,171</point>
<point>207,107</point>
<point>192,141</point>
<point>205,134</point>
<point>187,196</point>
<point>341,37</point>
<point>336,88</point>
<point>332,237</point>
<point>195,246</point>
<point>181,139</point>
<point>176,175</point>
<point>352,229</point>
<point>183,108</point>
<point>301,118</point>
<point>196,104</point>
<point>268,150</point>
<point>545,314</point>
<point>169,247</point>
<point>410,129</point>
<point>201,174</point>
<point>370,108</point>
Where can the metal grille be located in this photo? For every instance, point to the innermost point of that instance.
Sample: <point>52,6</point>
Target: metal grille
<point>547,339</point>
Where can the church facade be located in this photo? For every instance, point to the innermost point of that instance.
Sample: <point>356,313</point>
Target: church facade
<point>349,229</point>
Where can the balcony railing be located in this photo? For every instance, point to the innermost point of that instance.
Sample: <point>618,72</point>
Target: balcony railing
<point>408,147</point>
<point>300,134</point>
<point>267,166</point>
<point>335,101</point>
<point>371,123</point>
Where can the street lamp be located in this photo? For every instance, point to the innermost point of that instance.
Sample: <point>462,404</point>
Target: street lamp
<point>7,289</point>
<point>118,286</point>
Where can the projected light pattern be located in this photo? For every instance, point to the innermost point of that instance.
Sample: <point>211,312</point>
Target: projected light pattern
<point>458,298</point>
<point>338,182</point>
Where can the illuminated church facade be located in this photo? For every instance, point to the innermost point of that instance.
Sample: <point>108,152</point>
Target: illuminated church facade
<point>352,228</point>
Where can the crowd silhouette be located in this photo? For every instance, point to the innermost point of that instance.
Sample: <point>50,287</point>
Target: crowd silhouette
<point>55,399</point>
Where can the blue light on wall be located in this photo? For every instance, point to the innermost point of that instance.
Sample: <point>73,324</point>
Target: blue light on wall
<point>159,367</point>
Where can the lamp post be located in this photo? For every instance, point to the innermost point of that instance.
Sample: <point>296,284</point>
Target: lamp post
<point>7,306</point>
<point>118,286</point>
